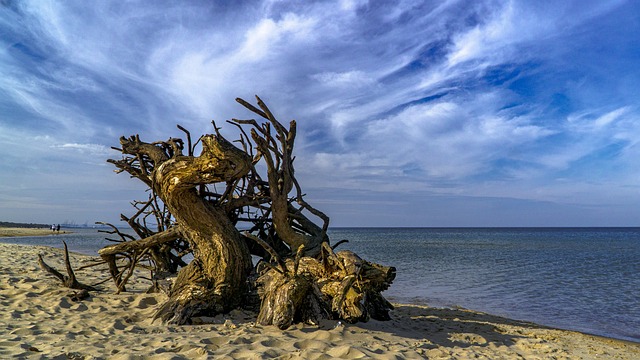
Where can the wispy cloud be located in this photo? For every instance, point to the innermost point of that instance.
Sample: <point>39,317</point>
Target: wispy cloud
<point>86,149</point>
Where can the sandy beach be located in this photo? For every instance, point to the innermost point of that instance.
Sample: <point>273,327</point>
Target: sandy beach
<point>15,231</point>
<point>40,321</point>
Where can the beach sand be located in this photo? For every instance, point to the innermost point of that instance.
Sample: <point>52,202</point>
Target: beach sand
<point>39,321</point>
<point>14,231</point>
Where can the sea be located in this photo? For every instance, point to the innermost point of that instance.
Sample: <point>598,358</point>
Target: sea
<point>583,279</point>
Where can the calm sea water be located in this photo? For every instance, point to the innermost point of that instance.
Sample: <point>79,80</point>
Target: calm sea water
<point>585,279</point>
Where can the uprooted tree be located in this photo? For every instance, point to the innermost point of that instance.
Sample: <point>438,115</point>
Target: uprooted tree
<point>217,207</point>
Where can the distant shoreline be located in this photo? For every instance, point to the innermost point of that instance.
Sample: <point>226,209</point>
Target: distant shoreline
<point>9,224</point>
<point>19,232</point>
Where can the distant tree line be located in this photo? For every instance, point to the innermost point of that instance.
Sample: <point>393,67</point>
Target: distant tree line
<point>23,225</point>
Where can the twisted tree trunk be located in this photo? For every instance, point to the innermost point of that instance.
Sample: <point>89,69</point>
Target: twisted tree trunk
<point>215,281</point>
<point>302,278</point>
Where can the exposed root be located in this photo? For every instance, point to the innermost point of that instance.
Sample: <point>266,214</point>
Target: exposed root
<point>68,280</point>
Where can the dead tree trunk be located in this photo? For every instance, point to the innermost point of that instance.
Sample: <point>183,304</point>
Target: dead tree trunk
<point>215,281</point>
<point>302,278</point>
<point>317,283</point>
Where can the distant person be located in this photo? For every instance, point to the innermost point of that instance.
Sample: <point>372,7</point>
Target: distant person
<point>53,227</point>
<point>58,228</point>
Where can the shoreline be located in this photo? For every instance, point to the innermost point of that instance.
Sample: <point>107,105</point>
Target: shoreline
<point>9,232</point>
<point>454,307</point>
<point>40,320</point>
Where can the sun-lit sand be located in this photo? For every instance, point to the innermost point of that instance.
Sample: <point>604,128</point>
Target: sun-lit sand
<point>39,321</point>
<point>14,231</point>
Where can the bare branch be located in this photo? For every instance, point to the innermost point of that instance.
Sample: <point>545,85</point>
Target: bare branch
<point>69,280</point>
<point>189,146</point>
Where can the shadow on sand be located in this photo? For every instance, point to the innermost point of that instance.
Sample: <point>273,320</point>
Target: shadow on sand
<point>449,327</point>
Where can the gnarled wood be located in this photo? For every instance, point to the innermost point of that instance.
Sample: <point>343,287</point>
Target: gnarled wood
<point>215,280</point>
<point>68,280</point>
<point>291,226</point>
<point>205,199</point>
<point>165,262</point>
<point>340,286</point>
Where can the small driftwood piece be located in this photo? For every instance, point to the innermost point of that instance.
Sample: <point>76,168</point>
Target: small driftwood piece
<point>69,280</point>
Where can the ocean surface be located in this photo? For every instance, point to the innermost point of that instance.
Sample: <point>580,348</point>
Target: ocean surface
<point>584,279</point>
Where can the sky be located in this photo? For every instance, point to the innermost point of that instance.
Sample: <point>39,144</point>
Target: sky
<point>410,113</point>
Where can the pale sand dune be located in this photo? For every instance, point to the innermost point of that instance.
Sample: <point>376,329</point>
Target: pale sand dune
<point>39,321</point>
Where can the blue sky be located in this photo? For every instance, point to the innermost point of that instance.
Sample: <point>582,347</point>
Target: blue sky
<point>410,113</point>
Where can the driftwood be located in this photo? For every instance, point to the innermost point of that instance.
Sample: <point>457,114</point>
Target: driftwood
<point>300,291</point>
<point>137,249</point>
<point>198,204</point>
<point>68,280</point>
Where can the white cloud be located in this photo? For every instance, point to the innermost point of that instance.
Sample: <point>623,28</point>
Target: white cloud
<point>353,78</point>
<point>438,140</point>
<point>487,39</point>
<point>610,117</point>
<point>590,120</point>
<point>510,27</point>
<point>89,149</point>
<point>207,79</point>
<point>352,5</point>
<point>590,131</point>
<point>270,36</point>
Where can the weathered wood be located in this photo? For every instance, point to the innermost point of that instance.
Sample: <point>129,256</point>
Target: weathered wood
<point>68,280</point>
<point>345,287</point>
<point>205,199</point>
<point>278,156</point>
<point>155,247</point>
<point>215,280</point>
<point>139,245</point>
